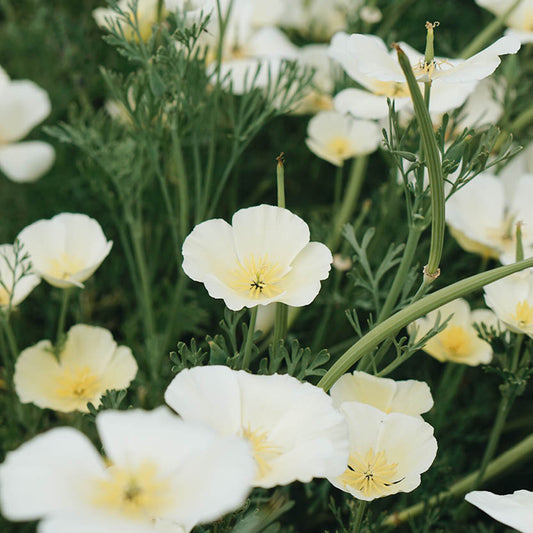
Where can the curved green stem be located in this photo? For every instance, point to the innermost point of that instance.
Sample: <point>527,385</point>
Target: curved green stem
<point>407,315</point>
<point>11,339</point>
<point>361,508</point>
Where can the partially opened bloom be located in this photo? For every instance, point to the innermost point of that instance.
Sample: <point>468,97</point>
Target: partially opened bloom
<point>295,431</point>
<point>458,342</point>
<point>264,256</point>
<point>388,452</point>
<point>366,59</point>
<point>146,17</point>
<point>409,397</point>
<point>511,299</point>
<point>519,22</point>
<point>16,278</point>
<point>514,510</point>
<point>488,227</point>
<point>23,105</point>
<point>87,364</point>
<point>66,249</point>
<point>336,137</point>
<point>157,469</point>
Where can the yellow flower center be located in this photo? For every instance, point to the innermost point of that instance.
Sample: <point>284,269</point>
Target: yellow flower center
<point>264,450</point>
<point>64,266</point>
<point>456,341</point>
<point>371,475</point>
<point>139,493</point>
<point>340,146</point>
<point>391,89</point>
<point>80,384</point>
<point>258,278</point>
<point>428,69</point>
<point>523,314</point>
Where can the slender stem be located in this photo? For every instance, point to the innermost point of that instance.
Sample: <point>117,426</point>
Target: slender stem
<point>432,161</point>
<point>351,195</point>
<point>401,274</point>
<point>453,375</point>
<point>338,188</point>
<point>410,313</point>
<point>488,33</point>
<point>11,339</point>
<point>181,178</point>
<point>361,508</point>
<point>501,464</point>
<point>521,121</point>
<point>282,310</point>
<point>249,339</point>
<point>65,297</point>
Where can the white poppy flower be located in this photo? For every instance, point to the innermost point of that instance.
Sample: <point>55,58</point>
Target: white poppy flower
<point>489,227</point>
<point>335,137</point>
<point>159,471</point>
<point>511,299</point>
<point>295,432</point>
<point>388,452</point>
<point>88,364</point>
<point>16,278</point>
<point>409,397</point>
<point>264,256</point>
<point>514,510</point>
<point>66,249</point>
<point>146,16</point>
<point>458,341</point>
<point>366,59</point>
<point>23,105</point>
<point>520,21</point>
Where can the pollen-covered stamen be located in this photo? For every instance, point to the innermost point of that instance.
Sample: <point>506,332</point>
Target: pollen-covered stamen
<point>371,475</point>
<point>78,383</point>
<point>64,266</point>
<point>523,314</point>
<point>264,451</point>
<point>456,340</point>
<point>258,278</point>
<point>425,71</point>
<point>139,493</point>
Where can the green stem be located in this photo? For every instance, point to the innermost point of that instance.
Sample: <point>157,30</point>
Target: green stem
<point>249,339</point>
<point>361,508</point>
<point>338,188</point>
<point>282,310</point>
<point>183,190</point>
<point>452,377</point>
<point>501,464</point>
<point>521,121</point>
<point>432,160</point>
<point>11,339</point>
<point>62,313</point>
<point>401,274</point>
<point>410,313</point>
<point>488,33</point>
<point>351,195</point>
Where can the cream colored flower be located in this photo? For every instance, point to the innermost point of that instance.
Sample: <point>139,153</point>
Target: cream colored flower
<point>514,510</point>
<point>295,432</point>
<point>388,452</point>
<point>488,227</point>
<point>23,105</point>
<point>511,299</point>
<point>88,364</point>
<point>520,21</point>
<point>409,397</point>
<point>146,16</point>
<point>16,278</point>
<point>264,256</point>
<point>66,249</point>
<point>160,474</point>
<point>458,341</point>
<point>336,137</point>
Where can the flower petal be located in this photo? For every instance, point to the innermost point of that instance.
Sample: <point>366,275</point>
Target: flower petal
<point>26,161</point>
